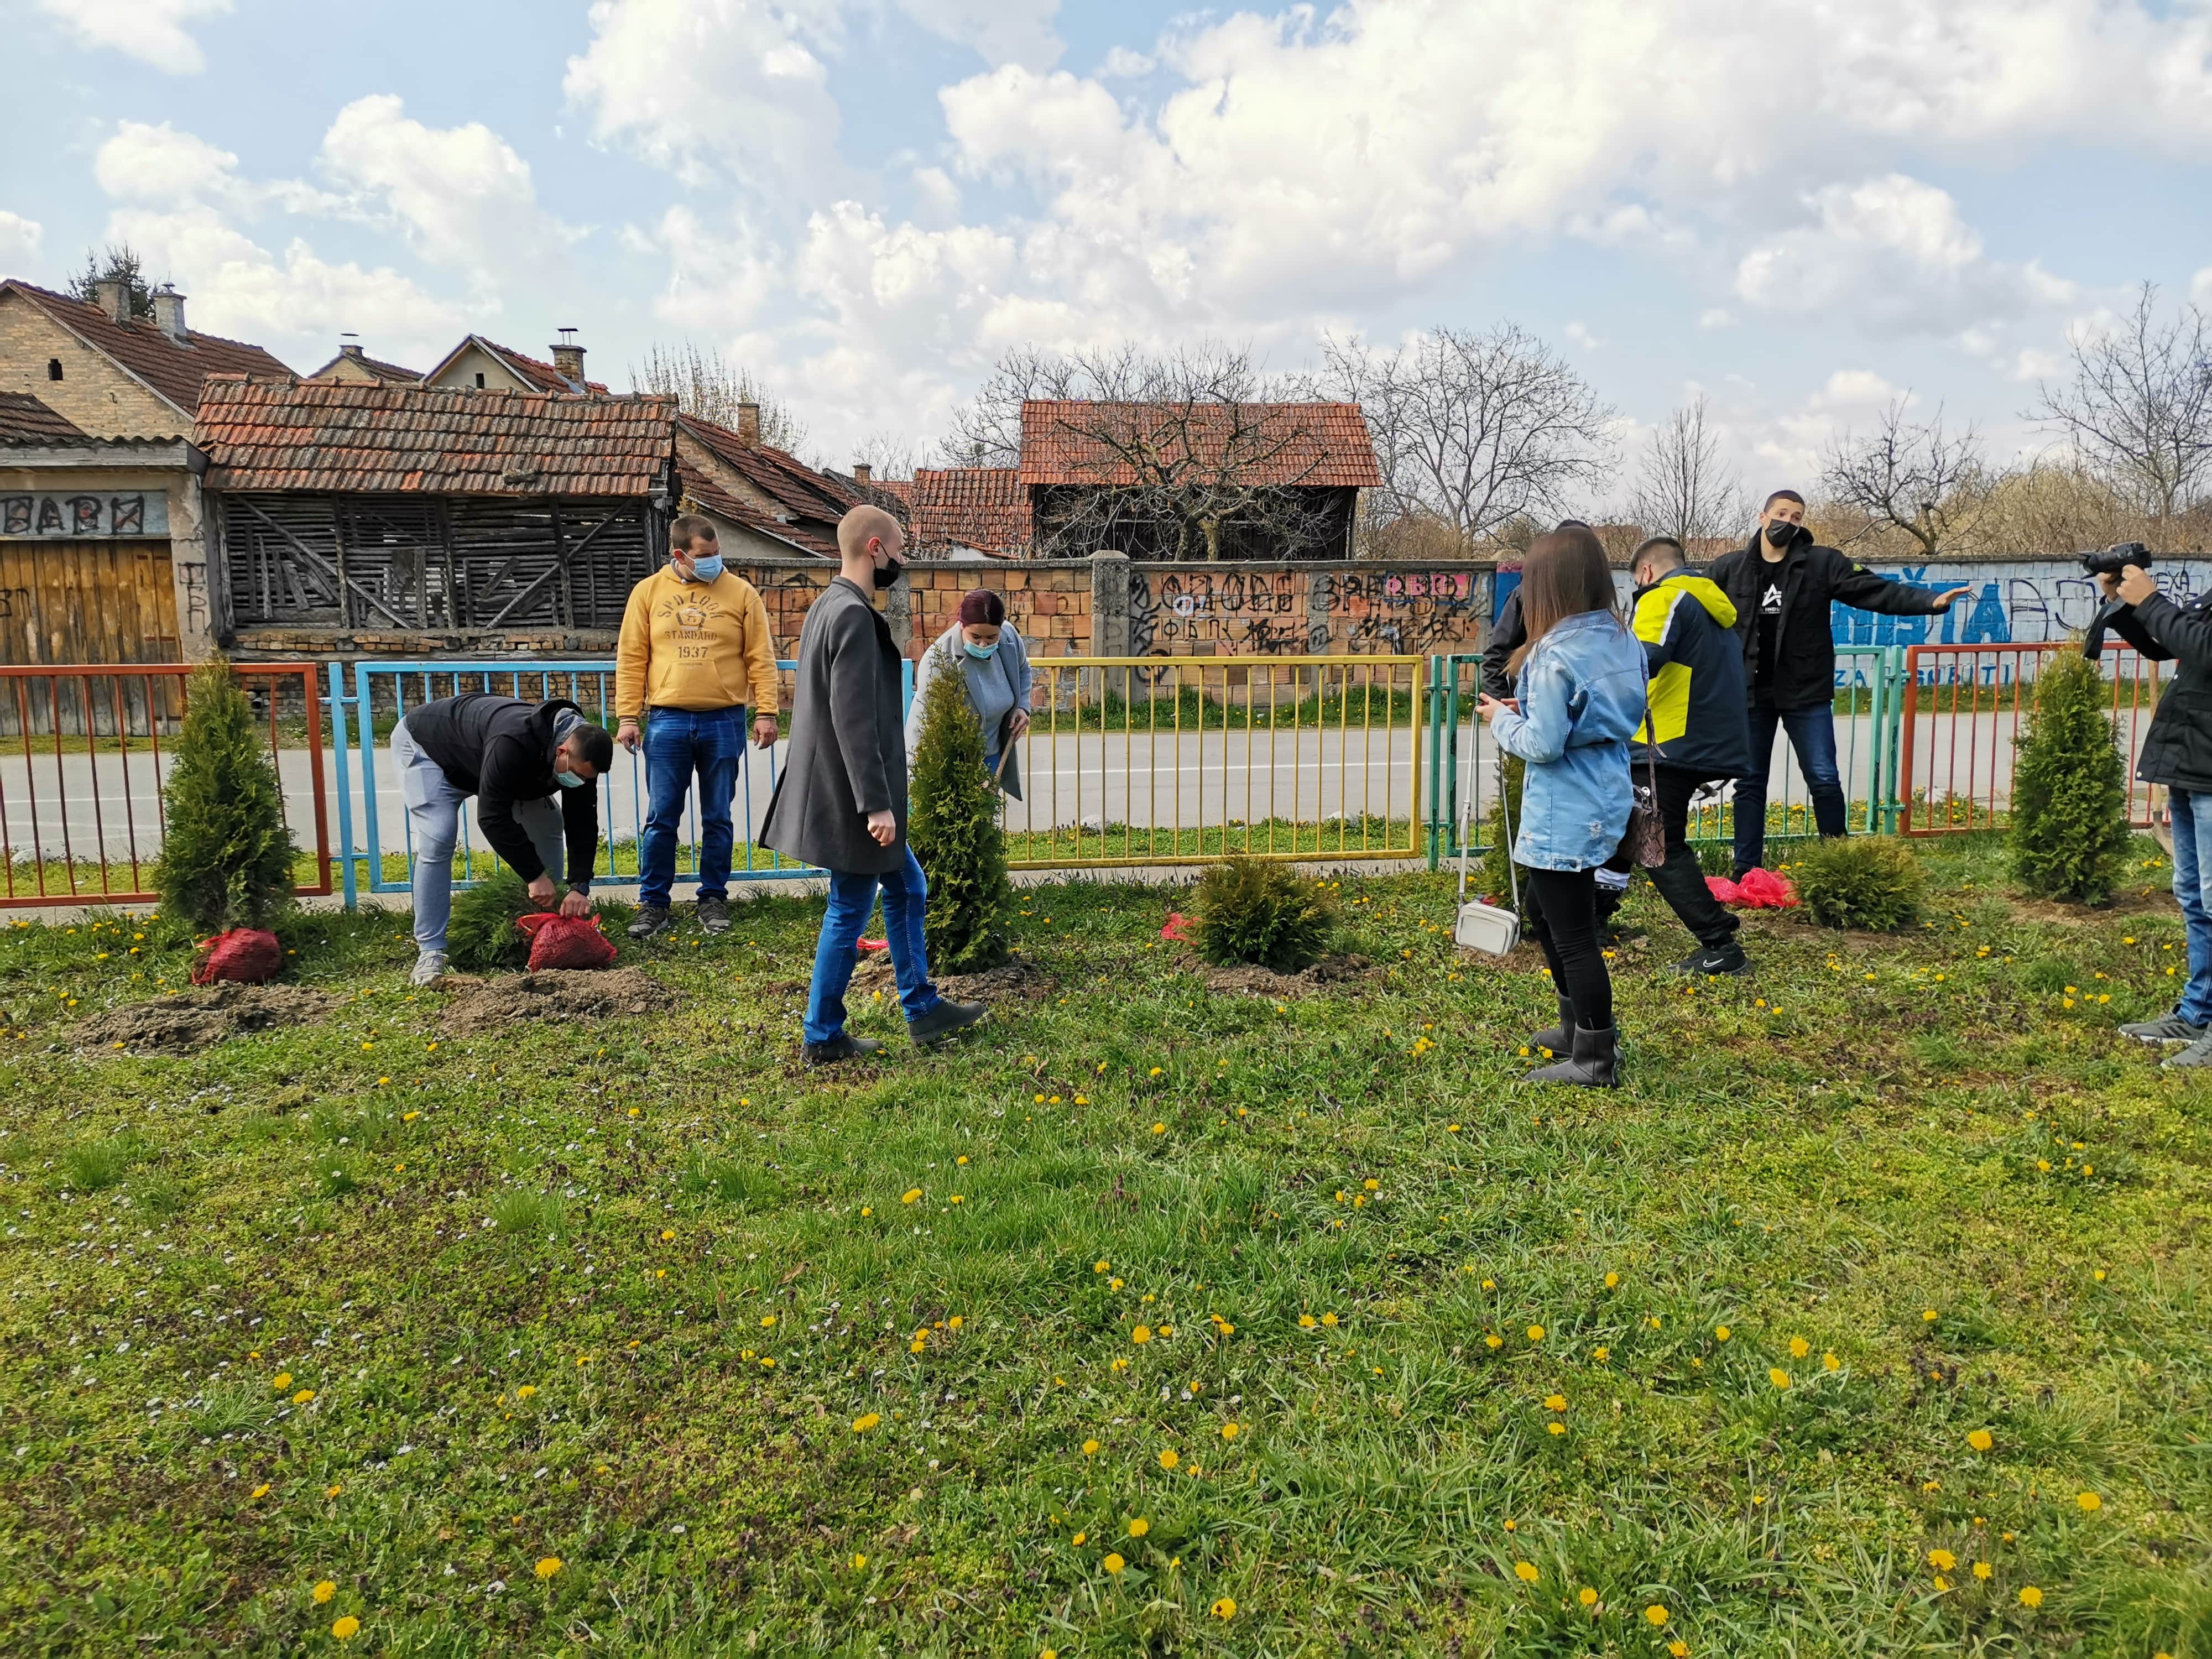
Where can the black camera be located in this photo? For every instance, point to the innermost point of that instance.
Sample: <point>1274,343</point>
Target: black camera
<point>2113,559</point>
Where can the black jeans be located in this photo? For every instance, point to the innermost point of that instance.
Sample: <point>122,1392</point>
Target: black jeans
<point>1679,880</point>
<point>1563,914</point>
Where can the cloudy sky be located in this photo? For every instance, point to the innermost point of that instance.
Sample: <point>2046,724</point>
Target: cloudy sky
<point>1799,207</point>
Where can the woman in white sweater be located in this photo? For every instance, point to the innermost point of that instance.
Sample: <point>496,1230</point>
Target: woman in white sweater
<point>996,666</point>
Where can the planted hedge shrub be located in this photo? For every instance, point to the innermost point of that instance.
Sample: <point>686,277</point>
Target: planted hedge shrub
<point>226,855</point>
<point>953,825</point>
<point>1251,910</point>
<point>2069,789</point>
<point>1873,882</point>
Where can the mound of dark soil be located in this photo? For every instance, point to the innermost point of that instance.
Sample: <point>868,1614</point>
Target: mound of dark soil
<point>197,1019</point>
<point>1018,981</point>
<point>553,993</point>
<point>1329,974</point>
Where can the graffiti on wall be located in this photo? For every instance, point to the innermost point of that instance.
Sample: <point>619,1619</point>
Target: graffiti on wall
<point>1233,612</point>
<point>58,516</point>
<point>1406,613</point>
<point>2027,604</point>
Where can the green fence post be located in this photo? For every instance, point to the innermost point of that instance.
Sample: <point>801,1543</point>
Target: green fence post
<point>1429,714</point>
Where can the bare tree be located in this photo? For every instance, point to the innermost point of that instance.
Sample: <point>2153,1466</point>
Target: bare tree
<point>1476,429</point>
<point>705,386</point>
<point>1685,487</point>
<point>2138,410</point>
<point>1915,476</point>
<point>986,431</point>
<point>886,455</point>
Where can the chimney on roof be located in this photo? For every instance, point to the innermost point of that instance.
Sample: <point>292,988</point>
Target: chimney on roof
<point>349,347</point>
<point>861,472</point>
<point>569,358</point>
<point>169,311</point>
<point>113,295</point>
<point>749,425</point>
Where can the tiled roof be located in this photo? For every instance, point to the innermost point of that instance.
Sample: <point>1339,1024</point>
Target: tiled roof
<point>390,373</point>
<point>291,435</point>
<point>540,376</point>
<point>25,420</point>
<point>986,507</point>
<point>902,489</point>
<point>1322,444</point>
<point>704,495</point>
<point>173,368</point>
<point>796,487</point>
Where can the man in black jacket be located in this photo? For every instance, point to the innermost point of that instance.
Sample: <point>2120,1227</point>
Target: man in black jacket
<point>514,758</point>
<point>1781,583</point>
<point>2177,752</point>
<point>840,802</point>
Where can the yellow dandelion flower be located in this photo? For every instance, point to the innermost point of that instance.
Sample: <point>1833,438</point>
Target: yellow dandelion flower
<point>282,1380</point>
<point>1678,1648</point>
<point>1603,1354</point>
<point>261,1490</point>
<point>866,1421</point>
<point>1655,1613</point>
<point>1829,1362</point>
<point>1982,1570</point>
<point>1078,1539</point>
<point>1980,1439</point>
<point>912,1196</point>
<point>2090,1502</point>
<point>1798,1347</point>
<point>1141,1335</point>
<point>1225,1608</point>
<point>1535,1333</point>
<point>2030,1596</point>
<point>1526,1571</point>
<point>1140,1527</point>
<point>1942,1560</point>
<point>1777,1376</point>
<point>1113,1564</point>
<point>1555,1403</point>
<point>526,1391</point>
<point>324,1591</point>
<point>1170,1459</point>
<point>303,1396</point>
<point>345,1629</point>
<point>1557,1428</point>
<point>1230,1431</point>
<point>1721,1333</point>
<point>1494,1340</point>
<point>547,1565</point>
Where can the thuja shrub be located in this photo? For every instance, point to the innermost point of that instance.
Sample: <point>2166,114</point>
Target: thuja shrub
<point>1250,910</point>
<point>226,855</point>
<point>1872,882</point>
<point>2069,789</point>
<point>482,935</point>
<point>953,824</point>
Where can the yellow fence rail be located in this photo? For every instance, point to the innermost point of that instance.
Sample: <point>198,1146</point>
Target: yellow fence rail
<point>1171,760</point>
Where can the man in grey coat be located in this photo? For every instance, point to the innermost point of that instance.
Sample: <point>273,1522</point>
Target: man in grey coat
<point>841,802</point>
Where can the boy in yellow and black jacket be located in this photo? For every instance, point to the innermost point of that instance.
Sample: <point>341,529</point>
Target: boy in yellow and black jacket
<point>694,653</point>
<point>1697,729</point>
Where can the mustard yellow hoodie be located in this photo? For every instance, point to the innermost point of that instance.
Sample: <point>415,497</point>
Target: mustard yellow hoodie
<point>695,645</point>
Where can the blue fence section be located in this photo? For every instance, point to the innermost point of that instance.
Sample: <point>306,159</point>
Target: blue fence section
<point>371,822</point>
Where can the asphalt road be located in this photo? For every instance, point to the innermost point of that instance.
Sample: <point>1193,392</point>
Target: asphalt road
<point>88,802</point>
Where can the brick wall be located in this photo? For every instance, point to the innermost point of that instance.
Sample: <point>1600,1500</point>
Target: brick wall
<point>92,391</point>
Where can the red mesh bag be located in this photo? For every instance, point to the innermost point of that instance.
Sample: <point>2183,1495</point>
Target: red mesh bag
<point>1765,891</point>
<point>1178,931</point>
<point>1725,890</point>
<point>251,956</point>
<point>559,941</point>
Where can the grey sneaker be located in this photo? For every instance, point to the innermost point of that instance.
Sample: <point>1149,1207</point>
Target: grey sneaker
<point>428,966</point>
<point>713,915</point>
<point>2198,1053</point>
<point>650,920</point>
<point>2172,1029</point>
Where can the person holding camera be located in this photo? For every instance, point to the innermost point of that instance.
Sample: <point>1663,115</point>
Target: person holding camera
<point>1781,583</point>
<point>2177,752</point>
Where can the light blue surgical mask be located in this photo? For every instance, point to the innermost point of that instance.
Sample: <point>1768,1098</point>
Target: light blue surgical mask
<point>569,780</point>
<point>980,653</point>
<point>706,569</point>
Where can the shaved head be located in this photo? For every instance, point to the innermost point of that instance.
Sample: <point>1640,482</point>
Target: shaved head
<point>855,529</point>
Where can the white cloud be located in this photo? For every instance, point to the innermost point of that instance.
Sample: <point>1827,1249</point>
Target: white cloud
<point>715,283</point>
<point>1716,317</point>
<point>461,195</point>
<point>18,239</point>
<point>1122,65</point>
<point>152,31</point>
<point>1582,336</point>
<point>2034,363</point>
<point>1003,31</point>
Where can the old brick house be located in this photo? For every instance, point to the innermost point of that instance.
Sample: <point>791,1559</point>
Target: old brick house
<point>102,557</point>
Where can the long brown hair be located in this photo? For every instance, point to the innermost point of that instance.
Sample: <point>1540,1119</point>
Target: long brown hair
<point>1564,574</point>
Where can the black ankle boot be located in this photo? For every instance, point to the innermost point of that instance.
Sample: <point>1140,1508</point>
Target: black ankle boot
<point>1590,1065</point>
<point>1554,1039</point>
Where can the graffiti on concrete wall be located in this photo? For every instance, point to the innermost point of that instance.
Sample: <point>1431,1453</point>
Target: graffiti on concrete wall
<point>2030,603</point>
<point>1229,612</point>
<point>1406,612</point>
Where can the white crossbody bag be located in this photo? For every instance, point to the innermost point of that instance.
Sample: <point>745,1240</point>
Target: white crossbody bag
<point>1486,927</point>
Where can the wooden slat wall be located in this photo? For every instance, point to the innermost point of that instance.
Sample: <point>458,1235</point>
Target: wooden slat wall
<point>88,602</point>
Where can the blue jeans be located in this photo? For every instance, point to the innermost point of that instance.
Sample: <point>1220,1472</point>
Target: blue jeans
<point>679,742</point>
<point>1812,735</point>
<point>2192,871</point>
<point>852,896</point>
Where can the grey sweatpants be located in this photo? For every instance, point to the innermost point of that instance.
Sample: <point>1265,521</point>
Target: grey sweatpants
<point>433,822</point>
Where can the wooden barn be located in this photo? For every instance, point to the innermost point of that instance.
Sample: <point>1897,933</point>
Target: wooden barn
<point>369,518</point>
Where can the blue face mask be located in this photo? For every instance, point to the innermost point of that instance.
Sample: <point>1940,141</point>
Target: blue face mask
<point>706,569</point>
<point>569,780</point>
<point>980,653</point>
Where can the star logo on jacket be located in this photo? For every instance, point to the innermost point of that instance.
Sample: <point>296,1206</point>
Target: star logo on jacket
<point>1771,601</point>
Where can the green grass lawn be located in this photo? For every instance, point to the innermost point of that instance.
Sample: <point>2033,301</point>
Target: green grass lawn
<point>1144,1320</point>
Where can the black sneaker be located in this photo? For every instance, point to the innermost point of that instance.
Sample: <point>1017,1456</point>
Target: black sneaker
<point>942,1021</point>
<point>713,915</point>
<point>1712,960</point>
<point>843,1046</point>
<point>649,919</point>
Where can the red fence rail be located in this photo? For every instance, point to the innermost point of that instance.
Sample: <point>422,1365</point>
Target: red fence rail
<point>84,752</point>
<point>1964,706</point>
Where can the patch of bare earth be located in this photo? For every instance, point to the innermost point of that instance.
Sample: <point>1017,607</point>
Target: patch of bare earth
<point>554,994</point>
<point>197,1019</point>
<point>1330,974</point>
<point>1016,981</point>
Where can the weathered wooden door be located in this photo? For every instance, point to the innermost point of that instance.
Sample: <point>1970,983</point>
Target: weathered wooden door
<point>93,601</point>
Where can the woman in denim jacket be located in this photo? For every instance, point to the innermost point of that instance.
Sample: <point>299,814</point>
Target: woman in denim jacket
<point>1579,681</point>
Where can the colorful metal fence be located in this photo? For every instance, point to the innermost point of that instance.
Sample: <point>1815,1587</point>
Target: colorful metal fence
<point>86,756</point>
<point>1964,707</point>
